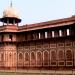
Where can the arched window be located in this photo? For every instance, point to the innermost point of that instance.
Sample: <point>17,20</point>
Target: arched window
<point>15,55</point>
<point>32,56</point>
<point>69,55</point>
<point>46,57</point>
<point>2,57</point>
<point>39,58</point>
<point>61,55</point>
<point>53,55</point>
<point>10,56</point>
<point>20,56</point>
<point>26,56</point>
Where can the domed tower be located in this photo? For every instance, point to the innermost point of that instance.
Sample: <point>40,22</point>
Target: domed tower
<point>10,16</point>
<point>8,38</point>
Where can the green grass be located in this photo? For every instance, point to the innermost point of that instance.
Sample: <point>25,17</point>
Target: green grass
<point>4,73</point>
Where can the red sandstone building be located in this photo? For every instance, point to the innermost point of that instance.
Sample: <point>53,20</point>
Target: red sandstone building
<point>45,45</point>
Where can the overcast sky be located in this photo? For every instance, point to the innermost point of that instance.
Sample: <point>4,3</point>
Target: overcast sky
<point>35,11</point>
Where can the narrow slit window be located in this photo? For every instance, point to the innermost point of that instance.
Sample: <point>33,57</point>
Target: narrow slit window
<point>10,37</point>
<point>2,37</point>
<point>52,33</point>
<point>60,33</point>
<point>68,32</point>
<point>39,35</point>
<point>45,34</point>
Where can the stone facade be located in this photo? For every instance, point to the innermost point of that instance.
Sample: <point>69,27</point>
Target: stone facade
<point>48,45</point>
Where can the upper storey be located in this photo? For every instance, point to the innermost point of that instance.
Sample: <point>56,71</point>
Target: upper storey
<point>44,30</point>
<point>49,24</point>
<point>39,26</point>
<point>49,29</point>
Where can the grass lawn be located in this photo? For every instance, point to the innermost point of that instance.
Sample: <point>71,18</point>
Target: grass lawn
<point>4,73</point>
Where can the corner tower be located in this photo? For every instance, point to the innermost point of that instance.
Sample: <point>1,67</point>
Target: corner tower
<point>8,49</point>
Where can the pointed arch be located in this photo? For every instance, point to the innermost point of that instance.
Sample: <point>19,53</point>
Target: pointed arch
<point>69,55</point>
<point>32,55</point>
<point>20,56</point>
<point>27,57</point>
<point>2,56</point>
<point>60,55</point>
<point>10,55</point>
<point>46,57</point>
<point>53,55</point>
<point>39,58</point>
<point>15,55</point>
<point>32,59</point>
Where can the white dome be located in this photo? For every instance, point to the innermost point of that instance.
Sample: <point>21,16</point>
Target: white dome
<point>10,12</point>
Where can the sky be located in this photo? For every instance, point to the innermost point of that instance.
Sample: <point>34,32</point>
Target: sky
<point>36,11</point>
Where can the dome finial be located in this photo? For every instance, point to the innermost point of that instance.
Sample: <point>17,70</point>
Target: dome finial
<point>10,14</point>
<point>11,4</point>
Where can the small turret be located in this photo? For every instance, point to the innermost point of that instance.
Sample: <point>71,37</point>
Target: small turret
<point>10,16</point>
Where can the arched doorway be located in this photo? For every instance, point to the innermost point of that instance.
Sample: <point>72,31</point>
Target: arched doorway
<point>2,57</point>
<point>32,59</point>
<point>45,58</point>
<point>14,59</point>
<point>69,55</point>
<point>69,58</point>
<point>20,60</point>
<point>60,55</point>
<point>10,62</point>
<point>61,58</point>
<point>39,58</point>
<point>53,58</point>
<point>20,57</point>
<point>27,59</point>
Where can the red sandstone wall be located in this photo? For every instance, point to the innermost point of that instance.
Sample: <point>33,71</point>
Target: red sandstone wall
<point>48,53</point>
